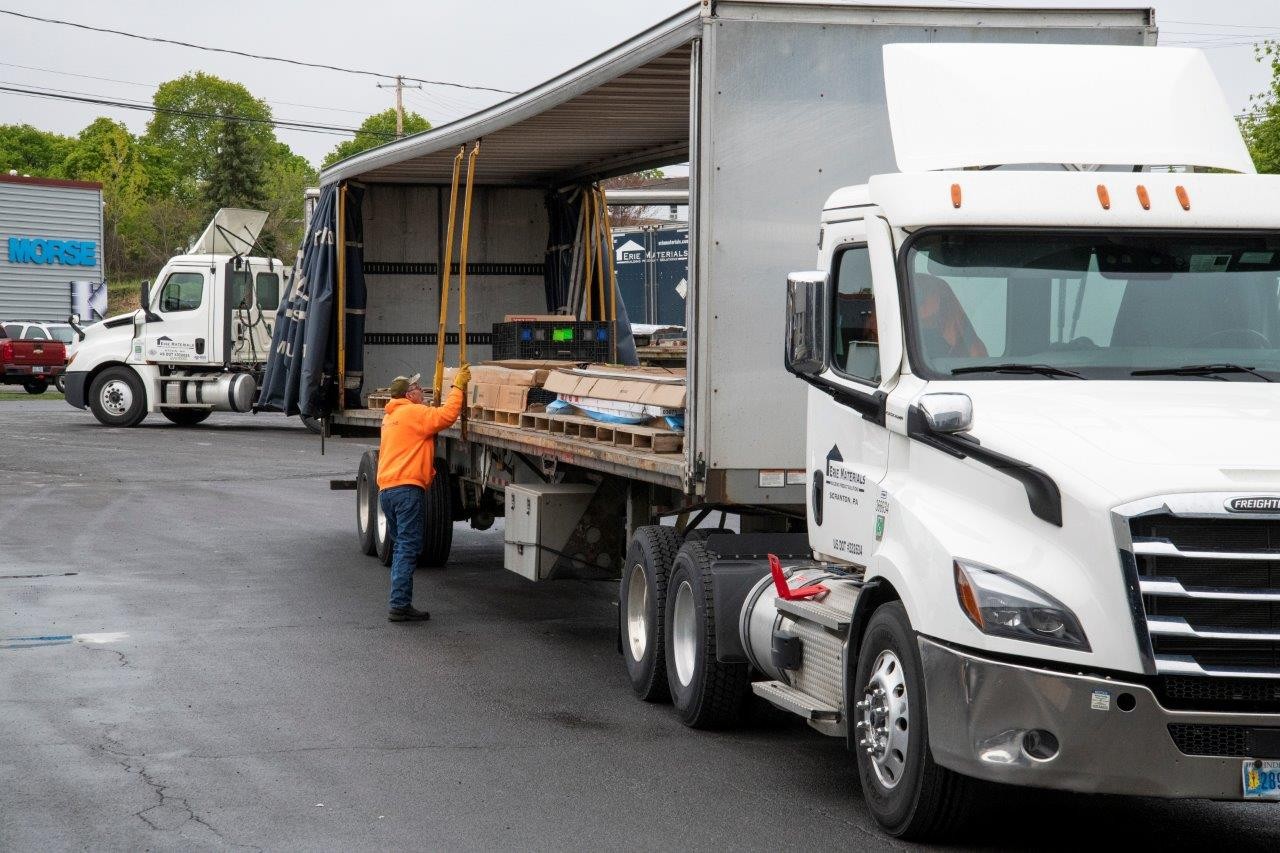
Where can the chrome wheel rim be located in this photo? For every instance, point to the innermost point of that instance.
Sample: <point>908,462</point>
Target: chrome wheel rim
<point>381,524</point>
<point>884,726</point>
<point>362,504</point>
<point>684,643</point>
<point>116,397</point>
<point>637,612</point>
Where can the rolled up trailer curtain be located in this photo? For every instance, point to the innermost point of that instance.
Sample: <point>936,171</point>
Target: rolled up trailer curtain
<point>301,375</point>
<point>565,269</point>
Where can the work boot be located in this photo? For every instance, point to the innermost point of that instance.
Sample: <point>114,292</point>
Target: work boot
<point>407,614</point>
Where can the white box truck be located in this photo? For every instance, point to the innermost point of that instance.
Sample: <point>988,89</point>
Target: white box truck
<point>1014,515</point>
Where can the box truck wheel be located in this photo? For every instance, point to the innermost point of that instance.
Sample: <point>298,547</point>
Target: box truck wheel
<point>186,417</point>
<point>707,693</point>
<point>642,603</point>
<point>117,397</point>
<point>367,502</point>
<point>437,518</point>
<point>909,795</point>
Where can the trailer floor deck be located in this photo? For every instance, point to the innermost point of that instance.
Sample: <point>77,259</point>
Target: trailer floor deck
<point>664,469</point>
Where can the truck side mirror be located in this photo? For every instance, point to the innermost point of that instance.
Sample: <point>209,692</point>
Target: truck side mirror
<point>145,296</point>
<point>947,413</point>
<point>806,336</point>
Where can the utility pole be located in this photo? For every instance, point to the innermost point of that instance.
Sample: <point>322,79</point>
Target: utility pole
<point>399,87</point>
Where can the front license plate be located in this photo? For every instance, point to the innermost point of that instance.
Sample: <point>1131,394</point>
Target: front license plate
<point>1261,780</point>
<point>37,370</point>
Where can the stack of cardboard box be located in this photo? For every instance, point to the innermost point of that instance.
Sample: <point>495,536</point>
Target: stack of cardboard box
<point>637,395</point>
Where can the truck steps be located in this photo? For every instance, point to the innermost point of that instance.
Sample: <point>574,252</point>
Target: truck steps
<point>817,613</point>
<point>788,698</point>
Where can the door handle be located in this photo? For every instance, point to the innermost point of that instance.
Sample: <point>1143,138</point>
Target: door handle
<point>199,346</point>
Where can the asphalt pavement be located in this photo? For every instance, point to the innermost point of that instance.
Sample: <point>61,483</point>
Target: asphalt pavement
<point>194,655</point>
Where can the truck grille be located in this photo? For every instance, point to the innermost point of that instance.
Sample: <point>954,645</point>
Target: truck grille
<point>1211,594</point>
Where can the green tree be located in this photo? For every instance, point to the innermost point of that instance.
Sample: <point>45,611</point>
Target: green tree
<point>107,152</point>
<point>286,178</point>
<point>374,131</point>
<point>180,148</point>
<point>235,174</point>
<point>29,151</point>
<point>1261,126</point>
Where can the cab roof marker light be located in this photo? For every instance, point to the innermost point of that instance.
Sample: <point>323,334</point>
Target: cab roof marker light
<point>1104,197</point>
<point>955,196</point>
<point>1183,198</point>
<point>1144,197</point>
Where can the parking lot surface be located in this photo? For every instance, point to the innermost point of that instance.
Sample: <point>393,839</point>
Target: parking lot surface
<point>194,655</point>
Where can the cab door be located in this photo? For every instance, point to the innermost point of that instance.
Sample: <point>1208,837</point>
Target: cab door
<point>848,441</point>
<point>181,330</point>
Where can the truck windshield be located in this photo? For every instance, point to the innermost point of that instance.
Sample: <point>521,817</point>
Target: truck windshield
<point>1068,306</point>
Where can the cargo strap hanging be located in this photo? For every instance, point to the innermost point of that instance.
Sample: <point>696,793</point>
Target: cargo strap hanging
<point>593,272</point>
<point>447,271</point>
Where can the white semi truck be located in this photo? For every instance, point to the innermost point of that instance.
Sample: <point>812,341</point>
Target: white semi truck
<point>198,341</point>
<point>1014,515</point>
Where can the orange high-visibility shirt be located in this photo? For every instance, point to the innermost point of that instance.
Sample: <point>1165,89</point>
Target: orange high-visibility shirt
<point>407,452</point>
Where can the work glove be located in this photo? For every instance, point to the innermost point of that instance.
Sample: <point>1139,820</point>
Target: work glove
<point>462,377</point>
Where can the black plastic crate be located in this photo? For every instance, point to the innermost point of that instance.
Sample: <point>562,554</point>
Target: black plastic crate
<point>571,340</point>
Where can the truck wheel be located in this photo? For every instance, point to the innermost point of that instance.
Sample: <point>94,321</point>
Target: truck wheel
<point>186,417</point>
<point>707,693</point>
<point>35,386</point>
<point>909,795</point>
<point>367,502</point>
<point>437,519</point>
<point>383,536</point>
<point>60,382</point>
<point>117,398</point>
<point>642,604</point>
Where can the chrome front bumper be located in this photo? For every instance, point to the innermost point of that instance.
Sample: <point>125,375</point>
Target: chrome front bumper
<point>980,710</point>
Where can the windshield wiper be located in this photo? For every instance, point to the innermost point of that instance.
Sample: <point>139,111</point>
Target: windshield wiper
<point>1014,367</point>
<point>1201,370</point>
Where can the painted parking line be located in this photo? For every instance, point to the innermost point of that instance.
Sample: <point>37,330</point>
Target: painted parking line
<point>60,640</point>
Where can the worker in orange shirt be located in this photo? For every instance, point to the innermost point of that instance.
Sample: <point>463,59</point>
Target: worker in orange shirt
<point>406,466</point>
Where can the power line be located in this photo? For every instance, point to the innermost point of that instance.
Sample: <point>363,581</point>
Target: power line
<point>157,85</point>
<point>160,40</point>
<point>283,124</point>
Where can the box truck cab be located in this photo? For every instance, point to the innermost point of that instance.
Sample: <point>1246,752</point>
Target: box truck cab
<point>1041,434</point>
<point>197,343</point>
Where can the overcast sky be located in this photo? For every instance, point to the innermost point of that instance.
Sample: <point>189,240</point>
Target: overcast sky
<point>500,43</point>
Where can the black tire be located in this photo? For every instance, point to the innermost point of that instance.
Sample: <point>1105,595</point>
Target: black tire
<point>707,693</point>
<point>437,518</point>
<point>187,417</point>
<point>315,426</point>
<point>927,801</point>
<point>642,605</point>
<point>36,386</point>
<point>384,538</point>
<point>117,397</point>
<point>367,502</point>
<point>60,382</point>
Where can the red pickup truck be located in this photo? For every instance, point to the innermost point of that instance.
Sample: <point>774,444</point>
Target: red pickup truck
<point>30,359</point>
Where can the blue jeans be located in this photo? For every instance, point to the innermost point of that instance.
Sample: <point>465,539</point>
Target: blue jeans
<point>403,507</point>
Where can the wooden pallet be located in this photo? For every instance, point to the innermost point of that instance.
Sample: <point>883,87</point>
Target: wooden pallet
<point>620,435</point>
<point>493,416</point>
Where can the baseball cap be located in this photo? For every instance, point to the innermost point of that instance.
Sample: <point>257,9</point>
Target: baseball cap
<point>400,385</point>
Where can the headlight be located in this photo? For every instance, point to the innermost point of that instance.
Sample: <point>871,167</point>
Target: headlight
<point>1004,607</point>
